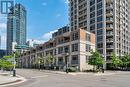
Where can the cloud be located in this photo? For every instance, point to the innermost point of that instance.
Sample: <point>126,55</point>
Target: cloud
<point>47,36</point>
<point>42,39</point>
<point>3,40</point>
<point>3,19</point>
<point>44,3</point>
<point>35,41</point>
<point>2,26</point>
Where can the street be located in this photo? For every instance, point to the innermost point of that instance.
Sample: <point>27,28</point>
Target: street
<point>37,78</point>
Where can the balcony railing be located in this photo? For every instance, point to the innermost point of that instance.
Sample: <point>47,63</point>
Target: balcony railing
<point>109,20</point>
<point>110,6</point>
<point>74,61</point>
<point>109,34</point>
<point>109,27</point>
<point>109,40</point>
<point>109,13</point>
<point>61,63</point>
<point>110,46</point>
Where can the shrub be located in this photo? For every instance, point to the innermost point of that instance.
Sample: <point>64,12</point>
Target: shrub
<point>94,71</point>
<point>72,69</point>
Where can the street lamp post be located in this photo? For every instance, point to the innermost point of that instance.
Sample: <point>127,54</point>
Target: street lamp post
<point>103,67</point>
<point>14,62</point>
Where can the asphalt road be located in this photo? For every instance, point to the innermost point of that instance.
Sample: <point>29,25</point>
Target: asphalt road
<point>37,78</point>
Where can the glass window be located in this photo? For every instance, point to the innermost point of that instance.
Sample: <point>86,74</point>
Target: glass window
<point>99,12</point>
<point>100,45</point>
<point>99,38</point>
<point>99,32</point>
<point>99,1</point>
<point>99,19</point>
<point>74,47</point>
<point>88,48</point>
<point>92,15</point>
<point>92,21</point>
<point>92,8</point>
<point>75,36</point>
<point>92,27</point>
<point>100,25</point>
<point>60,50</point>
<point>92,2</point>
<point>99,5</point>
<point>74,59</point>
<point>87,37</point>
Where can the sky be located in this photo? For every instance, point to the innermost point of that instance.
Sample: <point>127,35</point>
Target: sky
<point>43,18</point>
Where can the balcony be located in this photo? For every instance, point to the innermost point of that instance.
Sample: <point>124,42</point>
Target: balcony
<point>109,1</point>
<point>109,20</point>
<point>109,6</point>
<point>110,47</point>
<point>109,33</point>
<point>109,54</point>
<point>109,13</point>
<point>61,63</point>
<point>74,62</point>
<point>109,27</point>
<point>109,40</point>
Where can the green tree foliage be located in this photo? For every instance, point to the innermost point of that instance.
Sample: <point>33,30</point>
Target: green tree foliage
<point>5,64</point>
<point>115,61</point>
<point>125,60</point>
<point>96,60</point>
<point>50,59</point>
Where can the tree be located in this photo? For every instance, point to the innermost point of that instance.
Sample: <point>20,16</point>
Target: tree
<point>50,59</point>
<point>125,60</point>
<point>96,60</point>
<point>5,63</point>
<point>115,61</point>
<point>40,60</point>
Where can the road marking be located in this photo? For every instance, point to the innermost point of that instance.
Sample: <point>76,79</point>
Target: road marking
<point>39,76</point>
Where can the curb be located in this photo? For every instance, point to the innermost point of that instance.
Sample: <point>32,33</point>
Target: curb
<point>18,81</point>
<point>54,72</point>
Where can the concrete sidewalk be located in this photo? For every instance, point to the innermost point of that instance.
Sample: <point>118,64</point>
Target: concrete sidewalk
<point>6,79</point>
<point>87,73</point>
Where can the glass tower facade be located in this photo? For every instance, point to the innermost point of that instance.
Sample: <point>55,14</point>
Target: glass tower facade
<point>16,26</point>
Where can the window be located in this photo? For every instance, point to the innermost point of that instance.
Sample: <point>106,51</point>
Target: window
<point>99,12</point>
<point>87,37</point>
<point>92,2</point>
<point>100,25</point>
<point>92,27</point>
<point>99,38</point>
<point>92,15</point>
<point>60,60</point>
<point>99,1</point>
<point>99,19</point>
<point>66,49</point>
<point>99,5</point>
<point>74,59</point>
<point>60,50</point>
<point>92,21</point>
<point>99,32</point>
<point>100,45</point>
<point>75,36</point>
<point>74,47</point>
<point>88,48</point>
<point>92,8</point>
